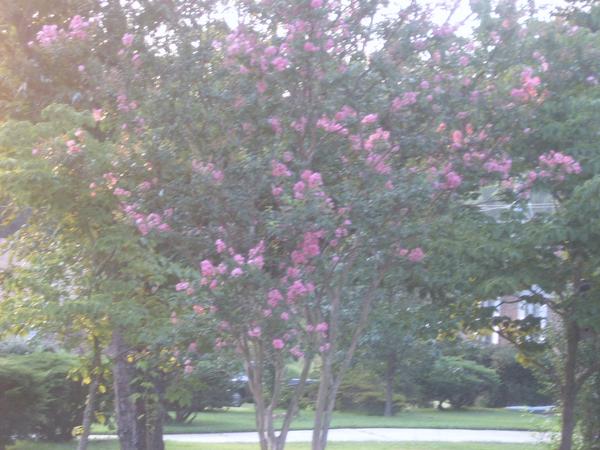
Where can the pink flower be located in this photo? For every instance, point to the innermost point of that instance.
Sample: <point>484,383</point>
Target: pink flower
<point>237,272</point>
<point>271,50</point>
<point>316,3</point>
<point>97,114</point>
<point>299,188</point>
<point>279,169</point>
<point>77,28</point>
<point>261,86</point>
<point>121,192</point>
<point>257,261</point>
<point>255,332</point>
<point>285,316</point>
<point>296,352</point>
<point>48,35</point>
<point>182,286</point>
<point>457,138</point>
<point>280,63</point>
<point>274,297</point>
<point>218,176</point>
<point>278,344</point>
<point>199,309</point>
<point>275,125</point>
<point>310,47</point>
<point>127,39</point>
<point>207,268</point>
<point>220,246</point>
<point>322,327</point>
<point>369,118</point>
<point>416,255</point>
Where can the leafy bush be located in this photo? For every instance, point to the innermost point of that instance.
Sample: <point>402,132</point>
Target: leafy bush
<point>37,397</point>
<point>205,388</point>
<point>590,413</point>
<point>518,384</point>
<point>306,401</point>
<point>22,399</point>
<point>65,398</point>
<point>459,381</point>
<point>360,391</point>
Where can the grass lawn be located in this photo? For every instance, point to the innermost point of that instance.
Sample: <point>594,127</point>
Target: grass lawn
<point>242,419</point>
<point>332,446</point>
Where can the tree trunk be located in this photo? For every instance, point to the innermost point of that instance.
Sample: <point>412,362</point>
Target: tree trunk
<point>90,406</point>
<point>569,388</point>
<point>390,376</point>
<point>331,377</point>
<point>154,418</point>
<point>125,408</point>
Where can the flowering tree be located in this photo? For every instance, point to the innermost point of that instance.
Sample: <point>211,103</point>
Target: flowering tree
<point>320,143</point>
<point>554,158</point>
<point>292,169</point>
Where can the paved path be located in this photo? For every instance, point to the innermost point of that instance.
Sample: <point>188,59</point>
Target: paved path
<point>372,434</point>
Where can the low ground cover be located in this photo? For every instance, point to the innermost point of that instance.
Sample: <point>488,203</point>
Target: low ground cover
<point>242,419</point>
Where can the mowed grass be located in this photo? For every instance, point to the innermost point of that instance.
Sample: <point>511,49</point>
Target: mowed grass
<point>331,446</point>
<point>242,419</point>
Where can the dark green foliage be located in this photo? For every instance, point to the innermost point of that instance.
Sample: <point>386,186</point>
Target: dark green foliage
<point>65,398</point>
<point>518,384</point>
<point>21,400</point>
<point>361,392</point>
<point>205,388</point>
<point>459,381</point>
<point>38,397</point>
<point>306,401</point>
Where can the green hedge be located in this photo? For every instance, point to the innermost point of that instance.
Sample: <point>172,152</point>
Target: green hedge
<point>37,397</point>
<point>361,391</point>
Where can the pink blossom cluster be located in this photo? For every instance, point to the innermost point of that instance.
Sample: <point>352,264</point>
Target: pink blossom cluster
<point>49,34</point>
<point>147,222</point>
<point>310,181</point>
<point>379,135</point>
<point>208,169</point>
<point>210,272</point>
<point>309,247</point>
<point>556,165</point>
<point>407,99</point>
<point>73,148</point>
<point>501,166</point>
<point>415,255</point>
<point>331,126</point>
<point>346,112</point>
<point>448,178</point>
<point>124,105</point>
<point>379,163</point>
<point>528,89</point>
<point>279,169</point>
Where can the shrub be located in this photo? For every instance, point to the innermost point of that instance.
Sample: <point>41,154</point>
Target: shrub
<point>22,399</point>
<point>589,411</point>
<point>360,391</point>
<point>306,401</point>
<point>37,397</point>
<point>518,384</point>
<point>65,398</point>
<point>206,387</point>
<point>459,381</point>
